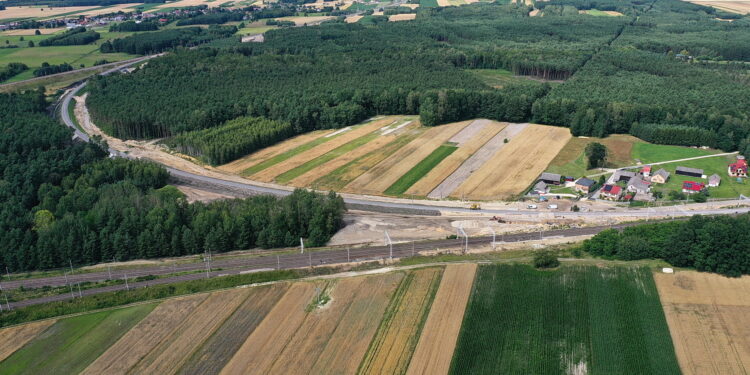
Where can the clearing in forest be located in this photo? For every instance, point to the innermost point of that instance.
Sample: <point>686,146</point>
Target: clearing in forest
<point>13,338</point>
<point>402,17</point>
<point>436,344</point>
<point>515,167</point>
<point>71,344</point>
<point>383,175</point>
<point>573,320</point>
<point>709,319</point>
<point>391,349</point>
<point>339,140</point>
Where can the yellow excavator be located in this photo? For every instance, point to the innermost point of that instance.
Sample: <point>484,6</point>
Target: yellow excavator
<point>475,206</point>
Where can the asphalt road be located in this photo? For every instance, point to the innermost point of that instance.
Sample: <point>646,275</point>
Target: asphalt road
<point>269,262</point>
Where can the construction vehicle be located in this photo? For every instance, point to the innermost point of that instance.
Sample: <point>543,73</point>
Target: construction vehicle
<point>475,206</point>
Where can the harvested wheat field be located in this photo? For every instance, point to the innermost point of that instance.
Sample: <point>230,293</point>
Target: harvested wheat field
<point>438,339</point>
<point>709,321</point>
<point>146,335</point>
<point>742,7</point>
<point>469,141</point>
<point>214,354</point>
<point>169,356</point>
<point>268,174</point>
<point>383,175</point>
<point>393,345</point>
<point>239,165</point>
<point>38,11</point>
<point>24,32</point>
<point>352,19</point>
<point>516,165</point>
<point>188,3</point>
<point>402,17</point>
<point>262,348</point>
<point>13,338</point>
<point>378,143</point>
<point>301,21</point>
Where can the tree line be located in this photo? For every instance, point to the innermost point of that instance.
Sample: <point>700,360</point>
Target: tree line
<point>76,36</point>
<point>712,244</point>
<point>158,41</point>
<point>47,69</point>
<point>63,202</point>
<point>11,70</point>
<point>213,18</point>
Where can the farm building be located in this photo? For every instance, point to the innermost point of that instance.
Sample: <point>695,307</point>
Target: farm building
<point>550,178</point>
<point>540,188</point>
<point>714,180</point>
<point>584,185</point>
<point>646,171</point>
<point>738,168</point>
<point>692,172</point>
<point>611,192</point>
<point>622,175</point>
<point>691,187</point>
<point>638,185</point>
<point>660,177</point>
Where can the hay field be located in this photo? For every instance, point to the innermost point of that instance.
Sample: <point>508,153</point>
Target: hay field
<point>338,140</point>
<point>438,340</point>
<point>392,347</point>
<point>516,165</point>
<point>741,7</point>
<point>301,21</point>
<point>402,17</point>
<point>112,9</point>
<point>469,141</point>
<point>13,338</point>
<point>353,19</point>
<point>27,32</point>
<point>239,165</point>
<point>709,321</point>
<point>379,178</point>
<point>39,11</point>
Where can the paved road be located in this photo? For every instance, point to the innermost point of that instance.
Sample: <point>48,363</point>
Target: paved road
<point>272,262</point>
<point>113,64</point>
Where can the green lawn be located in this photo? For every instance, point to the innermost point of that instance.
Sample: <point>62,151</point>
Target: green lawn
<point>651,153</point>
<point>428,3</point>
<point>586,320</point>
<point>418,171</point>
<point>70,345</point>
<point>597,12</point>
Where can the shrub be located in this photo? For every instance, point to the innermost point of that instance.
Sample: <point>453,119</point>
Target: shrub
<point>545,259</point>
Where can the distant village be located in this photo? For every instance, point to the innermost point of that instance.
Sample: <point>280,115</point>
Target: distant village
<point>628,185</point>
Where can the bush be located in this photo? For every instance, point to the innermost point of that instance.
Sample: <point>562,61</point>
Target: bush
<point>545,259</point>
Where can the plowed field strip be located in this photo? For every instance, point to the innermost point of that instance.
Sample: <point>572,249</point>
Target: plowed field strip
<point>383,175</point>
<point>393,345</point>
<point>268,174</point>
<point>13,338</point>
<point>269,339</point>
<point>469,132</point>
<point>467,148</point>
<point>214,354</point>
<point>171,354</point>
<point>240,165</point>
<point>438,340</point>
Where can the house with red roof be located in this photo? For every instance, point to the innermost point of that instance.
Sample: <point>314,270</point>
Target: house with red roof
<point>610,191</point>
<point>691,187</point>
<point>738,168</point>
<point>646,171</point>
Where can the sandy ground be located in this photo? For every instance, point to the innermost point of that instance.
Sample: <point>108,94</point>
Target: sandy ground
<point>197,195</point>
<point>476,161</point>
<point>353,19</point>
<point>709,320</point>
<point>38,11</point>
<point>521,161</point>
<point>402,17</point>
<point>742,7</point>
<point>468,145</point>
<point>25,32</point>
<point>13,338</point>
<point>438,340</point>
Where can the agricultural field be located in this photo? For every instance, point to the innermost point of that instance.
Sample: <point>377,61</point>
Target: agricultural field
<point>570,161</point>
<point>709,320</point>
<point>740,6</point>
<point>574,320</point>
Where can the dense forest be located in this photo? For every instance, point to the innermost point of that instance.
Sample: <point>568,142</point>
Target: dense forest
<point>214,18</point>
<point>64,201</point>
<point>713,244</point>
<point>640,73</point>
<point>158,41</point>
<point>77,36</point>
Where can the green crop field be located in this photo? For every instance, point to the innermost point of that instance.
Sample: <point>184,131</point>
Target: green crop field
<point>71,344</point>
<point>418,171</point>
<point>428,3</point>
<point>574,320</point>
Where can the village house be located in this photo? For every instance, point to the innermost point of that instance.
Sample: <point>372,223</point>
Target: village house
<point>691,187</point>
<point>622,175</point>
<point>738,168</point>
<point>584,185</point>
<point>638,185</point>
<point>550,178</point>
<point>692,172</point>
<point>540,188</point>
<point>646,171</point>
<point>714,180</point>
<point>660,177</point>
<point>611,192</point>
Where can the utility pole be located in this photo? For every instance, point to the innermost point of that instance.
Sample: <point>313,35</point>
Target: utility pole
<point>109,272</point>
<point>309,255</point>
<point>278,262</point>
<point>70,285</point>
<point>348,257</point>
<point>390,245</point>
<point>301,246</point>
<point>127,286</point>
<point>6,301</point>
<point>412,248</point>
<point>7,272</point>
<point>79,290</point>
<point>493,237</point>
<point>466,238</point>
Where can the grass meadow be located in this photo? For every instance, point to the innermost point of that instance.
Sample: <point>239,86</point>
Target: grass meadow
<point>574,320</point>
<point>420,170</point>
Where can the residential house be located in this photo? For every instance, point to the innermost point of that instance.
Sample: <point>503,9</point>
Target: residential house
<point>660,177</point>
<point>611,192</point>
<point>638,185</point>
<point>646,171</point>
<point>584,185</point>
<point>550,178</point>
<point>714,180</point>
<point>622,175</point>
<point>738,168</point>
<point>691,187</point>
<point>692,172</point>
<point>540,188</point>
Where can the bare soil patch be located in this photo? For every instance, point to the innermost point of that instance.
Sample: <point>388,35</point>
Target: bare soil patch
<point>709,321</point>
<point>197,195</point>
<point>438,340</point>
<point>13,338</point>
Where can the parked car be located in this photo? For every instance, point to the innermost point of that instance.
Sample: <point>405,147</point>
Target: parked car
<point>552,206</point>
<point>531,207</point>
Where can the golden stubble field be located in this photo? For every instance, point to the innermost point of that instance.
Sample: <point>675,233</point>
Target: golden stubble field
<point>709,321</point>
